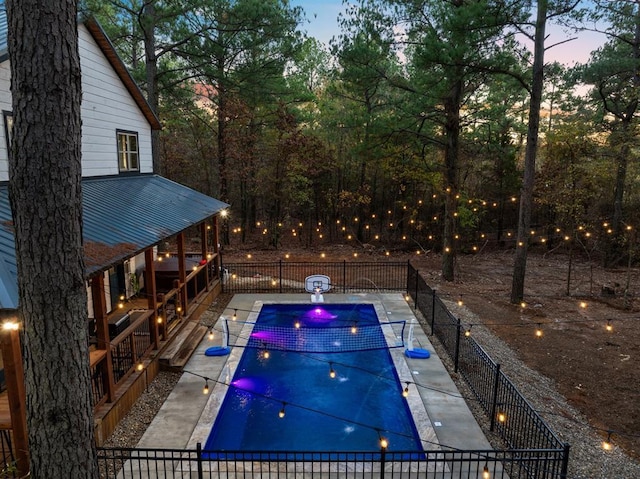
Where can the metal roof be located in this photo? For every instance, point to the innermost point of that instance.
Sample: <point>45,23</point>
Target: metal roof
<point>122,216</point>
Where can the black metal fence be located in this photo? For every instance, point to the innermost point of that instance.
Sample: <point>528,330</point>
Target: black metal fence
<point>289,277</point>
<point>535,452</point>
<point>510,413</point>
<point>196,463</point>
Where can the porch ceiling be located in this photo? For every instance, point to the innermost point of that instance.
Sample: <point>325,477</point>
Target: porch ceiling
<point>122,216</point>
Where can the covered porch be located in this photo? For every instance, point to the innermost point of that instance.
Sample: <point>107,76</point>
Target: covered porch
<point>164,237</point>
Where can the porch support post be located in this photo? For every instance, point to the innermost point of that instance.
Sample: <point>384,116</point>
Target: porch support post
<point>204,227</point>
<point>182,272</point>
<point>150,287</point>
<point>216,247</point>
<point>102,330</point>
<point>14,377</point>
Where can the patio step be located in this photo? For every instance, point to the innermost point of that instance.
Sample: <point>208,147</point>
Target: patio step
<point>182,345</point>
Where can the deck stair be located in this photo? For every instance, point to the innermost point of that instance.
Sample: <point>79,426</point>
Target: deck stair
<point>182,345</point>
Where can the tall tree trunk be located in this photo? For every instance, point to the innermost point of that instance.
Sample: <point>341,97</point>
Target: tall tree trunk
<point>45,191</point>
<point>452,147</point>
<point>222,145</point>
<point>148,22</point>
<point>526,199</point>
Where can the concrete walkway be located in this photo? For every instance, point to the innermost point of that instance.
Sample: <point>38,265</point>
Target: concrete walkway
<point>187,415</point>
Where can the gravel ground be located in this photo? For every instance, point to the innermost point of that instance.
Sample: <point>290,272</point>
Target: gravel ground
<point>587,458</point>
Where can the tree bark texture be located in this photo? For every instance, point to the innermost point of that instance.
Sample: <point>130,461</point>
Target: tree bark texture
<point>526,198</point>
<point>45,192</point>
<point>451,152</point>
<point>148,22</point>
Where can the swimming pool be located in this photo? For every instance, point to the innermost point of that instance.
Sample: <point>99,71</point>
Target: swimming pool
<point>314,378</point>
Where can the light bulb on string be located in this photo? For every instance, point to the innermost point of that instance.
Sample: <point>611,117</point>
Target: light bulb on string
<point>501,416</point>
<point>485,472</point>
<point>235,315</point>
<point>384,443</point>
<point>405,391</point>
<point>539,332</point>
<point>140,366</point>
<point>606,444</point>
<point>332,372</point>
<point>211,335</point>
<point>609,326</point>
<point>467,331</point>
<point>205,389</point>
<point>354,328</point>
<point>281,414</point>
<point>297,324</point>
<point>460,302</point>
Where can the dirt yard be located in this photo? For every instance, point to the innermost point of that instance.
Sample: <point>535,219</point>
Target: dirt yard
<point>595,369</point>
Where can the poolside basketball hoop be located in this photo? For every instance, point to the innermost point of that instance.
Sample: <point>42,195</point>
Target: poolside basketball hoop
<point>223,349</point>
<point>317,284</point>
<point>411,352</point>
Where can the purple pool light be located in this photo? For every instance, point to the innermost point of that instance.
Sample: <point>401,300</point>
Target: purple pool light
<point>318,315</point>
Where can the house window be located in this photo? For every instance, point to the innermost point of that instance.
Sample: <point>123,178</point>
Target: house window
<point>128,154</point>
<point>8,128</point>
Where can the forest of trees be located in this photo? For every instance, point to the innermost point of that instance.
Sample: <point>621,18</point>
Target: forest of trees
<point>424,125</point>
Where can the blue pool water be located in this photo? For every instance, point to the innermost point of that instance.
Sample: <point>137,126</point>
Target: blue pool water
<point>345,413</point>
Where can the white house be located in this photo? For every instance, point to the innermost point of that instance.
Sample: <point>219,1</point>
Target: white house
<point>142,280</point>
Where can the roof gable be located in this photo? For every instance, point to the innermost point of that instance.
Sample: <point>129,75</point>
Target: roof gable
<point>108,51</point>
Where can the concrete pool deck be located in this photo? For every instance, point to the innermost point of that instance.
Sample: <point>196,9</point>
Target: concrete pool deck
<point>187,414</point>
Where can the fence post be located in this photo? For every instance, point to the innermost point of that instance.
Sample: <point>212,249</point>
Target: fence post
<point>199,453</point>
<point>457,353</point>
<point>280,275</point>
<point>344,276</point>
<point>218,274</point>
<point>565,461</point>
<point>417,275</point>
<point>433,311</point>
<point>494,399</point>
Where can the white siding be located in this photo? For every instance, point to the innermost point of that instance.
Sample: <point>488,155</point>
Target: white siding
<point>5,105</point>
<point>107,106</point>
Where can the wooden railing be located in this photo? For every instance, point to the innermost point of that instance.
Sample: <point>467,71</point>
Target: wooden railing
<point>134,344</point>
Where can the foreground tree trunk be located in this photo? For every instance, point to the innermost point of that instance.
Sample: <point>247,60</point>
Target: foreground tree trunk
<point>45,191</point>
<point>526,199</point>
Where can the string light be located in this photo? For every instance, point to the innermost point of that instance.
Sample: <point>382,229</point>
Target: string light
<point>140,366</point>
<point>384,443</point>
<point>297,324</point>
<point>332,372</point>
<point>282,413</point>
<point>485,472</point>
<point>606,444</point>
<point>354,328</point>
<point>609,326</point>
<point>467,331</point>
<point>205,389</point>
<point>501,416</point>
<point>405,391</point>
<point>235,315</point>
<point>539,332</point>
<point>211,335</point>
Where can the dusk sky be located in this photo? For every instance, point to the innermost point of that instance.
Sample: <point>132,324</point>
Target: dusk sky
<point>322,16</point>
